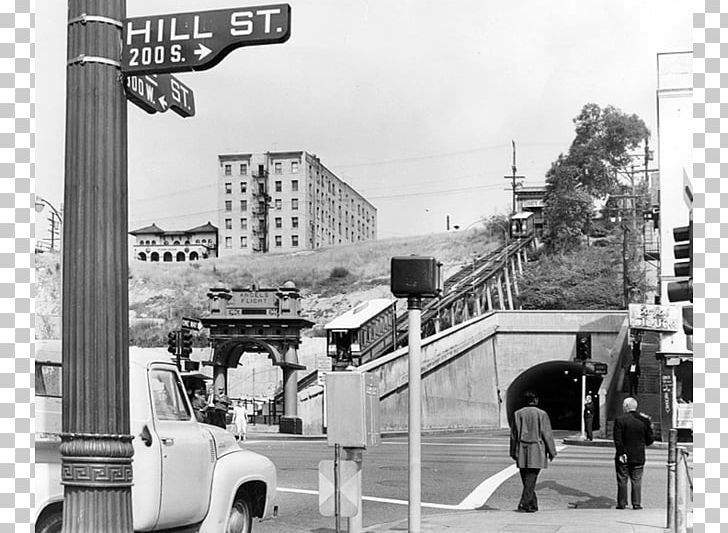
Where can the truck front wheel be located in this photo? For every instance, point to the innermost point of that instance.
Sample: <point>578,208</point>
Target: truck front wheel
<point>51,522</point>
<point>241,516</point>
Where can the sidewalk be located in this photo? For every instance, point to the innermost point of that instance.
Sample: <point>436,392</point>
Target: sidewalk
<point>561,521</point>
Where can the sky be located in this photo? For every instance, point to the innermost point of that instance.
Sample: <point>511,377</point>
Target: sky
<point>413,103</point>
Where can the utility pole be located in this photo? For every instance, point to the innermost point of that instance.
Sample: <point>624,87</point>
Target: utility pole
<point>96,445</point>
<point>514,183</point>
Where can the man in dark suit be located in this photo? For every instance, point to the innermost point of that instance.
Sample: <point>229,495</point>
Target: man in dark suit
<point>532,446</point>
<point>632,433</point>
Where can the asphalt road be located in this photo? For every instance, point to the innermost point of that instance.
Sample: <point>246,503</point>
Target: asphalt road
<point>459,472</point>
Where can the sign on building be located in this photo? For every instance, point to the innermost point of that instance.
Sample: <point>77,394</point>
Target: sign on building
<point>655,317</point>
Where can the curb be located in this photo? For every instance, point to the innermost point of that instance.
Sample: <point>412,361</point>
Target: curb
<point>604,443</point>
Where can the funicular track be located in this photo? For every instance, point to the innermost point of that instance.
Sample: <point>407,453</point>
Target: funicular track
<point>489,283</point>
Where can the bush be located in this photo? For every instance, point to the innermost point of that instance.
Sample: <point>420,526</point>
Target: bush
<point>339,272</point>
<point>586,278</point>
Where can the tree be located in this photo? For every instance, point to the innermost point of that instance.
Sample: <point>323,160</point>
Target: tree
<point>598,155</point>
<point>601,148</point>
<point>568,206</point>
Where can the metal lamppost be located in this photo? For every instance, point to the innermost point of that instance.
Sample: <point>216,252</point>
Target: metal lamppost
<point>96,444</point>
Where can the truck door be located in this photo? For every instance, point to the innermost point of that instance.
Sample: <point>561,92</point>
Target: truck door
<point>187,453</point>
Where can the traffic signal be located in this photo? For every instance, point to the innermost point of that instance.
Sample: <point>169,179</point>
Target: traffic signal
<point>681,291</point>
<point>583,346</point>
<point>186,343</point>
<point>687,316</point>
<point>172,342</point>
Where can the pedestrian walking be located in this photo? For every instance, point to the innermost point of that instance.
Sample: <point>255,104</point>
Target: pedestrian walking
<point>589,417</point>
<point>532,447</point>
<point>632,433</point>
<point>240,419</point>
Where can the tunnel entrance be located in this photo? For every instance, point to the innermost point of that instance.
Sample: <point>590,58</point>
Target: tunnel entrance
<point>558,385</point>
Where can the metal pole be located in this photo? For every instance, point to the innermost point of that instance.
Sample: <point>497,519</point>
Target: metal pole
<point>671,460</point>
<point>414,307</point>
<point>354,523</point>
<point>680,492</point>
<point>96,448</point>
<point>583,400</point>
<point>337,489</point>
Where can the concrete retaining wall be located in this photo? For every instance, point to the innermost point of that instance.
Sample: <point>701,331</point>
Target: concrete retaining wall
<point>465,369</point>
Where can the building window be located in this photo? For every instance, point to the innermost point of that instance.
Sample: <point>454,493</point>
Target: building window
<point>228,223</point>
<point>279,186</point>
<point>228,188</point>
<point>277,203</point>
<point>243,187</point>
<point>294,166</point>
<point>243,242</point>
<point>243,223</point>
<point>228,205</point>
<point>294,240</point>
<point>279,222</point>
<point>278,167</point>
<point>294,185</point>
<point>294,222</point>
<point>243,169</point>
<point>279,241</point>
<point>243,205</point>
<point>228,242</point>
<point>228,170</point>
<point>294,204</point>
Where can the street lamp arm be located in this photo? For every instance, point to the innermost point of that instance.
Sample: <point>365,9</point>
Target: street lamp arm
<point>42,201</point>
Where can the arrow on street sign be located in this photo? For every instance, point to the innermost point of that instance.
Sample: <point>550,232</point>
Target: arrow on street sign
<point>184,42</point>
<point>191,323</point>
<point>157,93</point>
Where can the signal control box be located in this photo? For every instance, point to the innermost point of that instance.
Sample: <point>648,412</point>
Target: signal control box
<point>352,409</point>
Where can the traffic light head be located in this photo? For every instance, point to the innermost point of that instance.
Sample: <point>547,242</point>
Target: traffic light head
<point>172,342</point>
<point>583,346</point>
<point>186,343</point>
<point>680,291</point>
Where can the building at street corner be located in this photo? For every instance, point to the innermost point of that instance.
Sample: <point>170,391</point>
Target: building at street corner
<point>157,245</point>
<point>675,115</point>
<point>287,202</point>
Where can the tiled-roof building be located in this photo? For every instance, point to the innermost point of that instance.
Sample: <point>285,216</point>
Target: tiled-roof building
<point>155,244</point>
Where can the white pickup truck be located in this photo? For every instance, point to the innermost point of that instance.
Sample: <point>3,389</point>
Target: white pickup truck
<point>187,476</point>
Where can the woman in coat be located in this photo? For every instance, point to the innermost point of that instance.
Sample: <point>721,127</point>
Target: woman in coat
<point>532,447</point>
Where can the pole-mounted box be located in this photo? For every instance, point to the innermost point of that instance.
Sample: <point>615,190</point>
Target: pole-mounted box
<point>415,276</point>
<point>352,409</point>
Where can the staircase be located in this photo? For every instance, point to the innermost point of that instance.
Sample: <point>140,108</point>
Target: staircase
<point>648,389</point>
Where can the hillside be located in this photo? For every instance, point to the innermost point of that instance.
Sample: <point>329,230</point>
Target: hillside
<point>331,280</point>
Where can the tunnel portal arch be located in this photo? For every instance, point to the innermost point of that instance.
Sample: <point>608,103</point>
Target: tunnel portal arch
<point>558,386</point>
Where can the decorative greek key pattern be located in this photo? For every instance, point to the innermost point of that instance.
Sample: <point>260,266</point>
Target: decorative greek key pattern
<point>96,474</point>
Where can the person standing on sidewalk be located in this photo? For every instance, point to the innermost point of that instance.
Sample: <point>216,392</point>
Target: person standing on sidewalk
<point>588,417</point>
<point>632,434</point>
<point>240,419</point>
<point>532,447</point>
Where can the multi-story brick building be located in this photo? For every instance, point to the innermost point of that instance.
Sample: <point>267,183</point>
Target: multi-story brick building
<point>287,201</point>
<point>155,244</point>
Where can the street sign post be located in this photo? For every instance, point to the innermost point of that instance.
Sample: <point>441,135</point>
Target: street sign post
<point>155,93</point>
<point>183,42</point>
